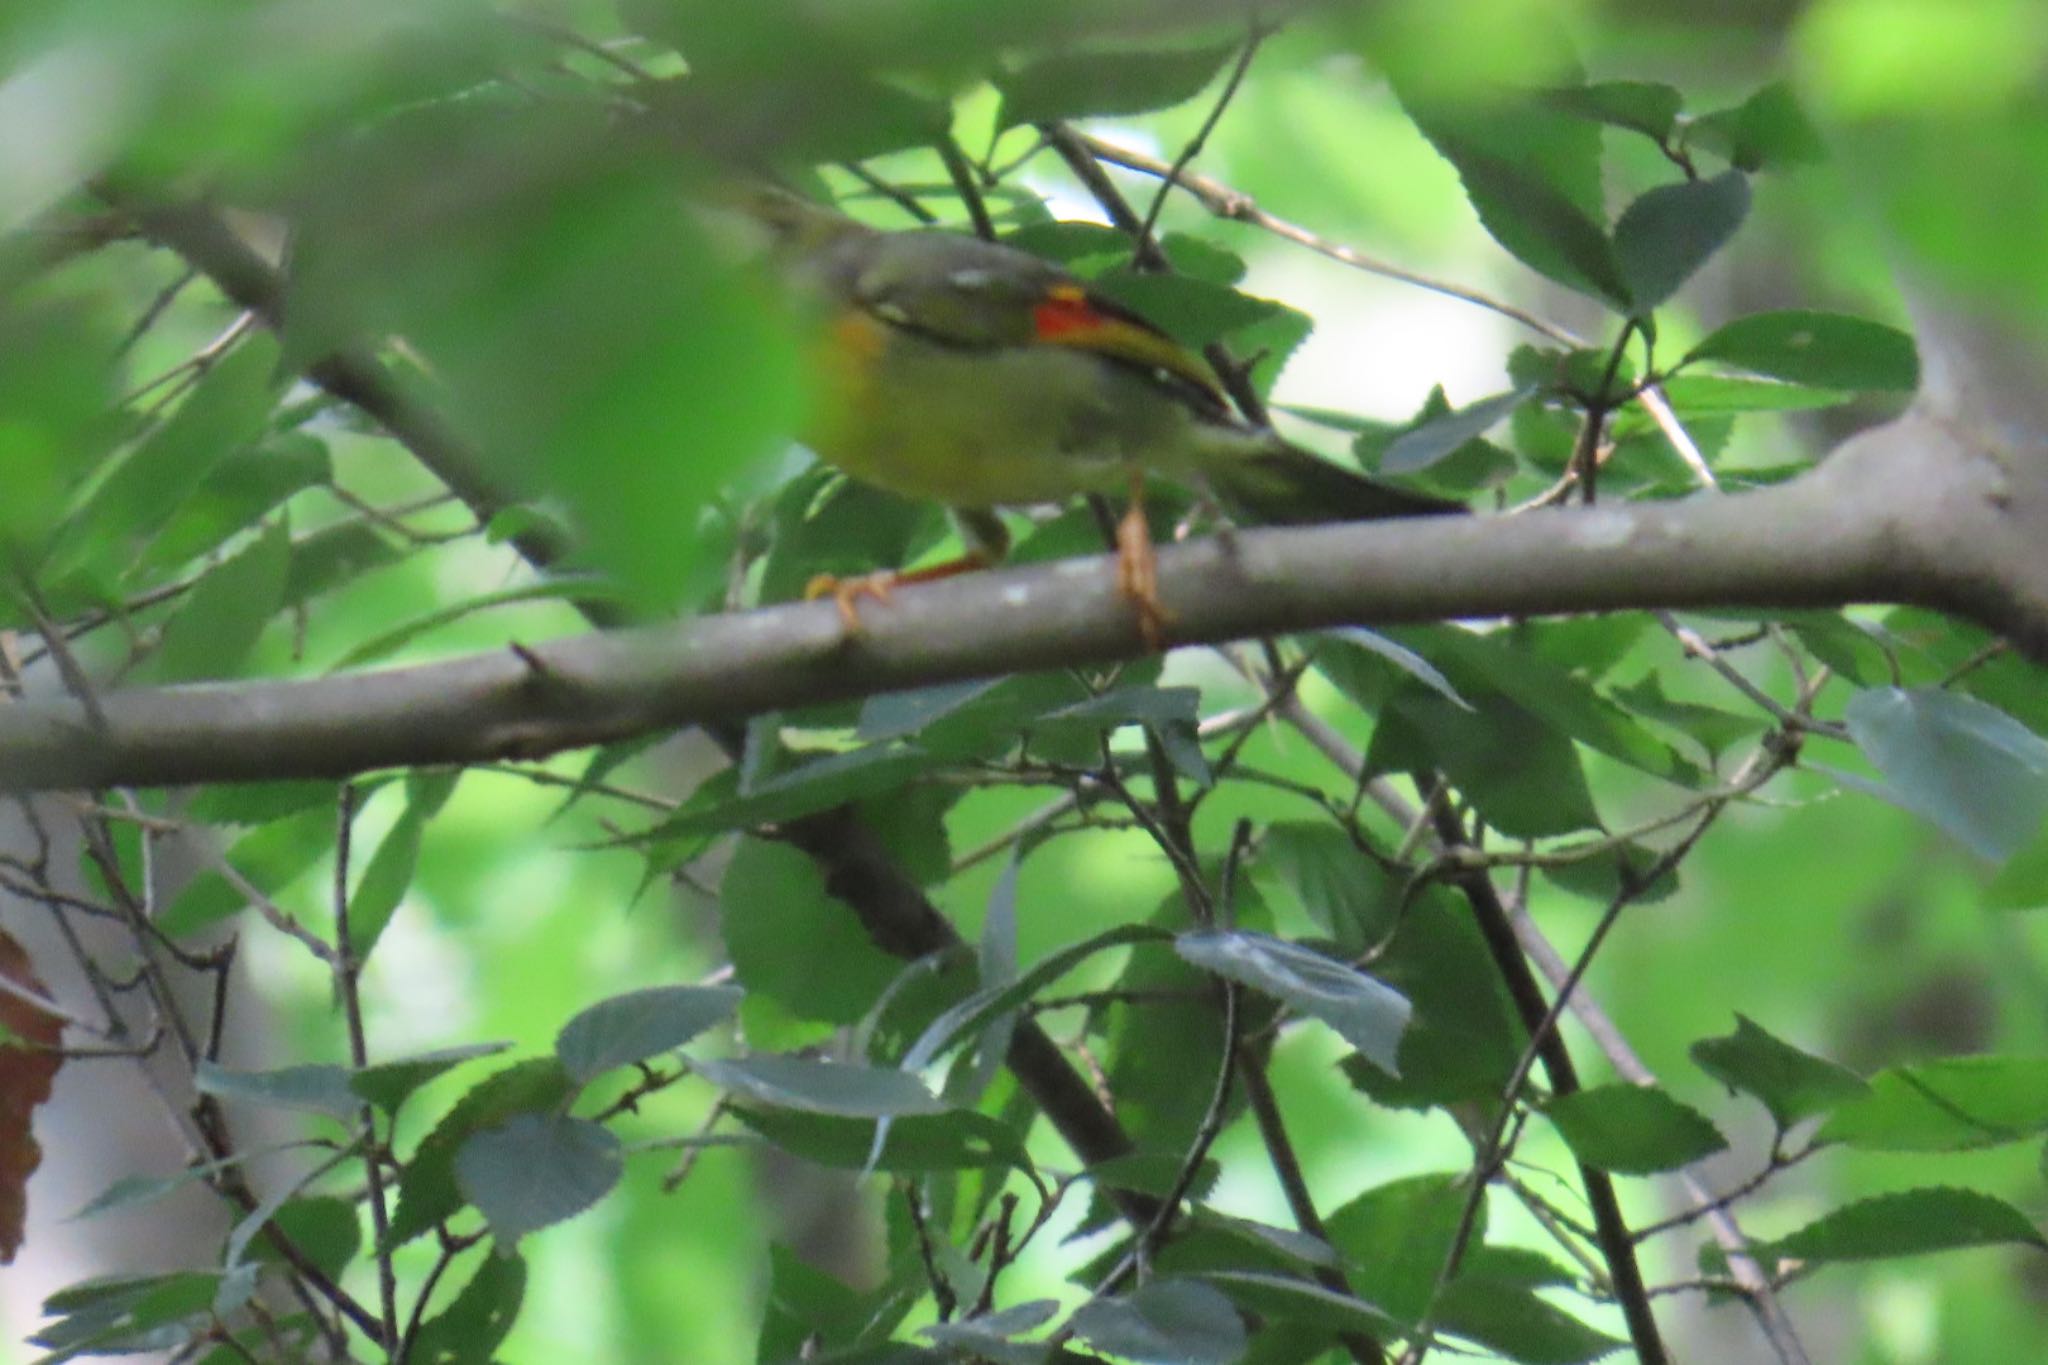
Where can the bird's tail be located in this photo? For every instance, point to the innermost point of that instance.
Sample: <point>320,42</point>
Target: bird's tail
<point>1282,484</point>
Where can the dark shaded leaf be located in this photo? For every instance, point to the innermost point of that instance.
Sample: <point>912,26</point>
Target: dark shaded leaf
<point>470,1329</point>
<point>1170,1321</point>
<point>1669,232</point>
<point>389,1084</point>
<point>1641,106</point>
<point>537,1169</point>
<point>955,1140</point>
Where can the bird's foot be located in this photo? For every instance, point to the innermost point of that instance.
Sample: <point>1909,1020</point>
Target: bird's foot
<point>847,592</point>
<point>1137,575</point>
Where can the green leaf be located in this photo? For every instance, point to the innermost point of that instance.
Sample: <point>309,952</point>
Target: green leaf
<point>1098,84</point>
<point>1170,1321</point>
<point>225,411</point>
<point>427,1192</point>
<point>584,588</point>
<point>1713,729</point>
<point>1507,1318</point>
<point>323,1228</point>
<point>237,494</point>
<point>1641,106</point>
<point>1367,1014</point>
<point>794,942</point>
<point>1422,446</point>
<point>271,857</point>
<point>968,1017</point>
<point>1697,397</point>
<point>640,1024</point>
<point>1909,1223</point>
<point>1954,1104</point>
<point>1400,656</point>
<point>899,715</point>
<point>259,803</point>
<point>1193,312</point>
<point>1964,765</point>
<point>537,1169</point>
<point>1633,1129</point>
<point>803,790</point>
<point>131,1190</point>
<point>1792,1085</point>
<point>1669,232</point>
<point>823,1087</point>
<point>1539,225</point>
<point>1476,663</point>
<point>390,872</point>
<point>2022,884</point>
<point>1288,1299</point>
<point>1766,132</point>
<point>956,1140</point>
<point>1350,897</point>
<point>989,1336</point>
<point>1397,1236</point>
<point>470,1329</point>
<point>334,556</point>
<point>1523,777</point>
<point>1822,350</point>
<point>314,1088</point>
<point>214,629</point>
<point>389,1084</point>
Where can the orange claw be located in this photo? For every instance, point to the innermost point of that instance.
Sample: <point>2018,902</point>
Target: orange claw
<point>847,592</point>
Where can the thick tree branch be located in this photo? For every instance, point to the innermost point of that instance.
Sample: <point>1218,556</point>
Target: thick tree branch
<point>1908,513</point>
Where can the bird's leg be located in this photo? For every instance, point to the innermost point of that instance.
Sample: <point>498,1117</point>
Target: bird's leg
<point>987,542</point>
<point>1137,566</point>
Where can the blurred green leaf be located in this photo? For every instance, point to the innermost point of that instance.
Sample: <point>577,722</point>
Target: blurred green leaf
<point>239,491</point>
<point>271,857</point>
<point>216,626</point>
<point>1097,84</point>
<point>1953,1104</point>
<point>1766,132</point>
<point>1967,767</point>
<point>1821,350</point>
<point>313,1088</point>
<point>224,412</point>
<point>1641,106</point>
<point>389,874</point>
<point>1521,1326</point>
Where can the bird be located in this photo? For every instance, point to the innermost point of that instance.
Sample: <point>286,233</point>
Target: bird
<point>978,375</point>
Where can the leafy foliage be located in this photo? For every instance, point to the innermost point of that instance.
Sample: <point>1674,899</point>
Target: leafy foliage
<point>1276,918</point>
